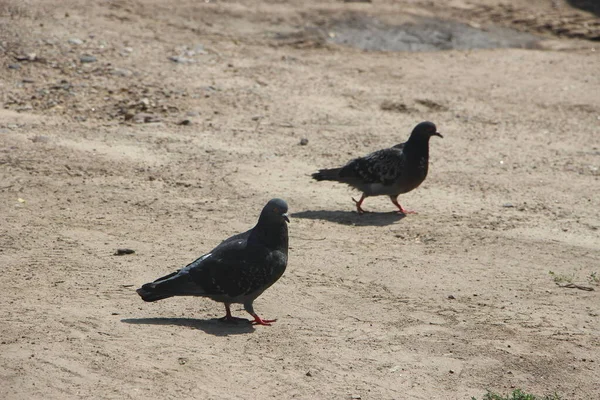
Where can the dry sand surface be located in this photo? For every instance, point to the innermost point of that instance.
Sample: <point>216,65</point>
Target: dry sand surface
<point>165,126</point>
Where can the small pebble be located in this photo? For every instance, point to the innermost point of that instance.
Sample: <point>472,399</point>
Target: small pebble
<point>121,72</point>
<point>308,373</point>
<point>86,58</point>
<point>451,297</point>
<point>184,122</point>
<point>76,41</point>
<point>122,252</point>
<point>141,118</point>
<point>303,142</point>
<point>39,139</point>
<point>14,66</point>
<point>181,60</point>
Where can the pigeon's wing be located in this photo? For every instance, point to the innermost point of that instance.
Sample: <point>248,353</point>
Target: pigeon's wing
<point>231,269</point>
<point>383,166</point>
<point>239,236</point>
<point>235,269</point>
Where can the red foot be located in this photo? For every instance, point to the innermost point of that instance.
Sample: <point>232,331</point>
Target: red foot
<point>260,321</point>
<point>400,208</point>
<point>404,211</point>
<point>358,204</point>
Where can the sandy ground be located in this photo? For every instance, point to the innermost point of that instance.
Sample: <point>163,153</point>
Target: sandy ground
<point>169,156</point>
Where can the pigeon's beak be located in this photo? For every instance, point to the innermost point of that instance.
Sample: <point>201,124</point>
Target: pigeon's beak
<point>438,134</point>
<point>285,216</point>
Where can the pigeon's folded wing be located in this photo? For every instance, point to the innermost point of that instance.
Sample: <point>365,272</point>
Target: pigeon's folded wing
<point>383,166</point>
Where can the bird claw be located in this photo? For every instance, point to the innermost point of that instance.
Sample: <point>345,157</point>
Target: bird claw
<point>358,207</point>
<point>259,321</point>
<point>405,212</point>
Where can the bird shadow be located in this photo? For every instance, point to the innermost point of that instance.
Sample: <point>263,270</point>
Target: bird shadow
<point>213,326</point>
<point>352,217</point>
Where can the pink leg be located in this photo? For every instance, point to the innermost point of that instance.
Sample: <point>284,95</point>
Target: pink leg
<point>400,208</point>
<point>358,204</point>
<point>259,321</point>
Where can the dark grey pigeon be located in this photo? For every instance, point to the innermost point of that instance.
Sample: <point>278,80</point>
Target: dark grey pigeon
<point>389,172</point>
<point>236,271</point>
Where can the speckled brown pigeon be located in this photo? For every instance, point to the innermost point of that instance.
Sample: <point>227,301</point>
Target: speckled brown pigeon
<point>389,172</point>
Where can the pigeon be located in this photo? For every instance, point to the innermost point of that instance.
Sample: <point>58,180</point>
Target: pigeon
<point>389,172</point>
<point>238,270</point>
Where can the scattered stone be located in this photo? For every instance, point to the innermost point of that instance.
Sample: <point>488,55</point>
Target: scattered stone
<point>389,105</point>
<point>181,60</point>
<point>432,105</point>
<point>122,252</point>
<point>303,142</point>
<point>26,57</point>
<point>308,374</point>
<point>508,205</point>
<point>451,371</point>
<point>76,41</point>
<point>184,122</point>
<point>451,297</point>
<point>355,397</point>
<point>192,114</point>
<point>87,58</point>
<point>40,139</point>
<point>121,72</point>
<point>182,360</point>
<point>145,118</point>
<point>199,49</point>
<point>14,66</point>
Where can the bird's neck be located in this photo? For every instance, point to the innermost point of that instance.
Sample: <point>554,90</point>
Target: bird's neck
<point>417,148</point>
<point>274,236</point>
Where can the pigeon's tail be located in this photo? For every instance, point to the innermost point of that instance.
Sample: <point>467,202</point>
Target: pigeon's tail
<point>177,283</point>
<point>154,291</point>
<point>332,174</point>
<point>148,292</point>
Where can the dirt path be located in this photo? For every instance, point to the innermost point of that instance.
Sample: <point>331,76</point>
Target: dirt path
<point>191,117</point>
